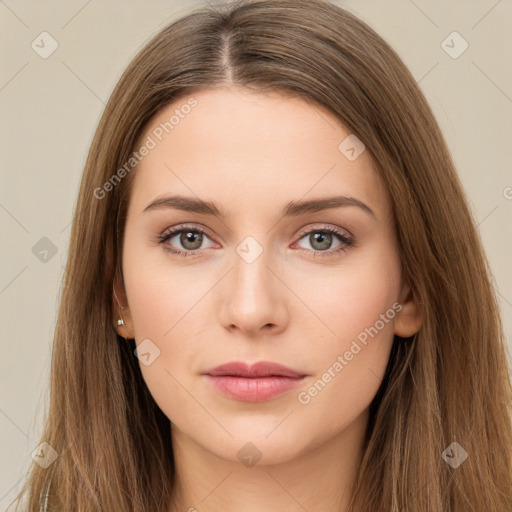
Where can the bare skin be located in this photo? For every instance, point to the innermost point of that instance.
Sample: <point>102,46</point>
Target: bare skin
<point>302,302</point>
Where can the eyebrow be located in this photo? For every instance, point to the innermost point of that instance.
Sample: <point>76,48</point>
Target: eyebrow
<point>292,209</point>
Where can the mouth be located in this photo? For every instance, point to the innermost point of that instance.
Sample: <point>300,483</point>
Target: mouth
<point>259,382</point>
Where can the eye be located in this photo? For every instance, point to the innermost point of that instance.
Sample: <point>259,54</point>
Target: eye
<point>190,239</point>
<point>321,239</point>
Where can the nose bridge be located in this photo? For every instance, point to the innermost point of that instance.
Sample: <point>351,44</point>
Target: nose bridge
<point>252,300</point>
<point>251,273</point>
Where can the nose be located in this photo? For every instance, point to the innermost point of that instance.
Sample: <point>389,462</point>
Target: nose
<point>253,298</point>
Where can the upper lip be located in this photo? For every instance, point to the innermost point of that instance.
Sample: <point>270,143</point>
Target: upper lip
<point>260,369</point>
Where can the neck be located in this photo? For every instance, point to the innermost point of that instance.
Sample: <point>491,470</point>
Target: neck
<point>320,478</point>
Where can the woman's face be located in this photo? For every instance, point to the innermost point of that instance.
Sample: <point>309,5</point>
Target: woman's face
<point>265,278</point>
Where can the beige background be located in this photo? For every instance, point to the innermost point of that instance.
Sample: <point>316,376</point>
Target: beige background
<point>50,107</point>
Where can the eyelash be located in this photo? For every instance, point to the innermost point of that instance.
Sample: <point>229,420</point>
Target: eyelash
<point>345,240</point>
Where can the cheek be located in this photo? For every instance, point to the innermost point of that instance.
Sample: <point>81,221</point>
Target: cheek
<point>158,293</point>
<point>358,305</point>
<point>350,297</point>
<point>166,313</point>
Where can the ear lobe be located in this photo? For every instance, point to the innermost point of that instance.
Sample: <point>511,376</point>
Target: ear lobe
<point>408,320</point>
<point>121,310</point>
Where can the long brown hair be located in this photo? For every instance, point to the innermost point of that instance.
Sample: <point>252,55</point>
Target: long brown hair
<point>449,383</point>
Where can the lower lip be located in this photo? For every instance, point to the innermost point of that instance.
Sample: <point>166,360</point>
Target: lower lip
<point>253,389</point>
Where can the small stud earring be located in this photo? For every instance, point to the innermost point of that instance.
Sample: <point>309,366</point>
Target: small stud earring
<point>120,321</point>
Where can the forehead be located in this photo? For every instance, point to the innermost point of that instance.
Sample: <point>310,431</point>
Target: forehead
<point>250,149</point>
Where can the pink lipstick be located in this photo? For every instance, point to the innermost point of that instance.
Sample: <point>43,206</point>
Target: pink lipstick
<point>257,383</point>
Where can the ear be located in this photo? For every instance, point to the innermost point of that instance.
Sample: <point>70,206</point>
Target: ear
<point>121,310</point>
<point>408,320</point>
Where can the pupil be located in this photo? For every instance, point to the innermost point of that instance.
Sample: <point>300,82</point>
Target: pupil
<point>192,238</point>
<point>324,240</point>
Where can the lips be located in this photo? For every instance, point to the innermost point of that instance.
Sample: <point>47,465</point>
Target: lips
<point>256,383</point>
<point>261,369</point>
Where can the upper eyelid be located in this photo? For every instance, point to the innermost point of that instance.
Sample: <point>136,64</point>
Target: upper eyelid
<point>341,231</point>
<point>179,228</point>
<point>301,232</point>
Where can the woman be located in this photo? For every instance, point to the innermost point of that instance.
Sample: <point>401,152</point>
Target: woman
<point>276,296</point>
